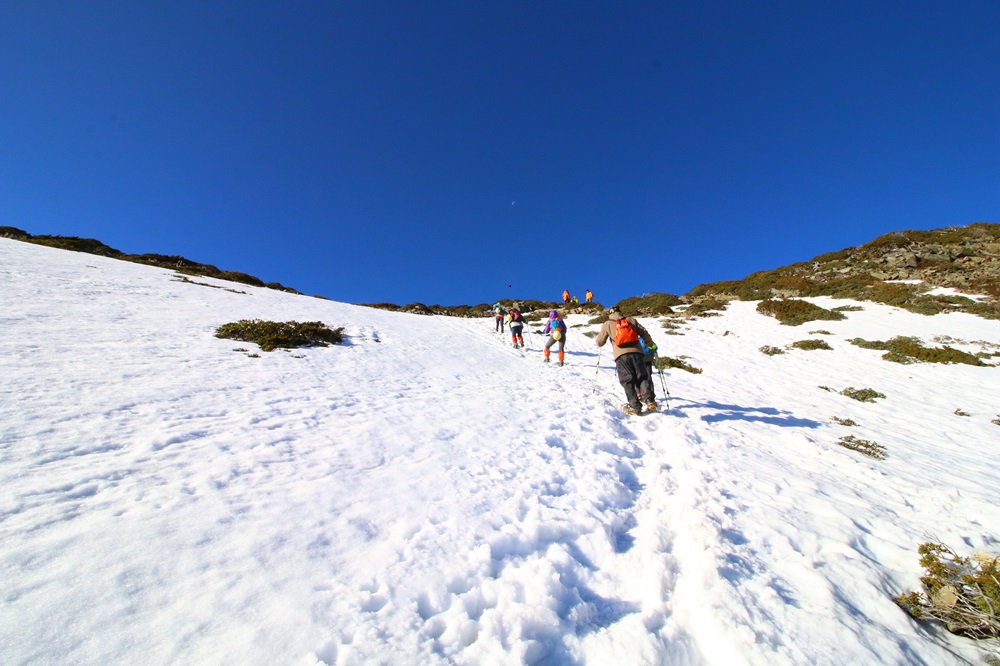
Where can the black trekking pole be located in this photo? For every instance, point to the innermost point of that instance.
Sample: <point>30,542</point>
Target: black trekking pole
<point>663,384</point>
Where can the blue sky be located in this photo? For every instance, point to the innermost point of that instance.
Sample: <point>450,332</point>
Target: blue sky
<point>460,152</point>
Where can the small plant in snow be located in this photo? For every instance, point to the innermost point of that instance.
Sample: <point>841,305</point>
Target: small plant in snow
<point>820,332</point>
<point>961,592</point>
<point>665,362</point>
<point>865,446</point>
<point>996,421</point>
<point>793,312</point>
<point>862,395</point>
<point>771,351</point>
<point>959,412</point>
<point>811,345</point>
<point>907,349</point>
<point>271,335</point>
<point>844,422</point>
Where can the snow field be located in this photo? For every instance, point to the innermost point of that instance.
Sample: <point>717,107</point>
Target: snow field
<point>425,493</point>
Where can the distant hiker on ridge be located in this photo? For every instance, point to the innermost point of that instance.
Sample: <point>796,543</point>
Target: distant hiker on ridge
<point>566,296</point>
<point>555,328</point>
<point>498,313</point>
<point>589,296</point>
<point>624,334</point>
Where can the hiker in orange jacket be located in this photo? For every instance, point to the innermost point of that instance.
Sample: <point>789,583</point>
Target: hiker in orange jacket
<point>633,374</point>
<point>589,296</point>
<point>566,296</point>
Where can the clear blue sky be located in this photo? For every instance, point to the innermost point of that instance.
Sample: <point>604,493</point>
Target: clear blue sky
<point>459,152</point>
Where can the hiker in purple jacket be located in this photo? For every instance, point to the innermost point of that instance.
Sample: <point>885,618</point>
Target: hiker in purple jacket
<point>555,328</point>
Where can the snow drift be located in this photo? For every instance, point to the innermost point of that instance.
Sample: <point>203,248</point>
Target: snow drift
<point>424,493</point>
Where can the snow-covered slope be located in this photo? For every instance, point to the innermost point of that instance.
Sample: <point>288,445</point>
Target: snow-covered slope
<point>427,494</point>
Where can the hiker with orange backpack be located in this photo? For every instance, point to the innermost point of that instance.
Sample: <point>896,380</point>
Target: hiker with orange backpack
<point>625,334</point>
<point>555,328</point>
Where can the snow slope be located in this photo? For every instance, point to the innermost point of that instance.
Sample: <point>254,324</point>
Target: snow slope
<point>427,494</point>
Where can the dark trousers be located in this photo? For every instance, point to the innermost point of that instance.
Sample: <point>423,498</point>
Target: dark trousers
<point>634,378</point>
<point>499,327</point>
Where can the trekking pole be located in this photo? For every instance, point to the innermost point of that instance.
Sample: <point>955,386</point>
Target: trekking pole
<point>597,369</point>
<point>663,384</point>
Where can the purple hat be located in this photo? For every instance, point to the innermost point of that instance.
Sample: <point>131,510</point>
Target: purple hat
<point>553,314</point>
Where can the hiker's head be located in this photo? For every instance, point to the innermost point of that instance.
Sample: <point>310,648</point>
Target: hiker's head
<point>553,314</point>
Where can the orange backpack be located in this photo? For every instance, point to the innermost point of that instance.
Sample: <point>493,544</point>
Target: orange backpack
<point>624,333</point>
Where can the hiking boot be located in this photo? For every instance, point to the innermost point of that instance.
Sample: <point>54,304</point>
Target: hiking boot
<point>561,364</point>
<point>651,407</point>
<point>632,411</point>
<point>545,360</point>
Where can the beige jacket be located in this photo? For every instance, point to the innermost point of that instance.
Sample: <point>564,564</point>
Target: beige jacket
<point>607,333</point>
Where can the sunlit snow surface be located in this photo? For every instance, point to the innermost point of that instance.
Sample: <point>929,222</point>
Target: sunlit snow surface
<point>427,494</point>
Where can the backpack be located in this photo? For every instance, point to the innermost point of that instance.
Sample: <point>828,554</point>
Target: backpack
<point>625,335</point>
<point>515,315</point>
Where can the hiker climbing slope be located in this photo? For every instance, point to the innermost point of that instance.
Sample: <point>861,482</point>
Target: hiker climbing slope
<point>633,374</point>
<point>555,328</point>
<point>516,322</point>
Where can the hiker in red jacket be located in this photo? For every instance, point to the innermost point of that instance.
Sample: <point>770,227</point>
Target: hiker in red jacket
<point>516,322</point>
<point>633,374</point>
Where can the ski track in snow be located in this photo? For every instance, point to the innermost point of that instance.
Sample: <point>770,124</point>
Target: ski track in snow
<point>425,493</point>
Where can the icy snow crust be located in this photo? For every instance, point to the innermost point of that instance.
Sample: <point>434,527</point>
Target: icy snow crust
<point>427,494</point>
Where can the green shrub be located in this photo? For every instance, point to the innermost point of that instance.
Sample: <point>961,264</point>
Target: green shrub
<point>862,395</point>
<point>959,412</point>
<point>391,307</point>
<point>665,362</point>
<point>820,332</point>
<point>705,306</point>
<point>907,349</point>
<point>847,308</point>
<point>844,422</point>
<point>811,345</point>
<point>996,421</point>
<point>14,232</point>
<point>961,592</point>
<point>271,335</point>
<point>771,351</point>
<point>865,446</point>
<point>868,344</point>
<point>793,312</point>
<point>649,305</point>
